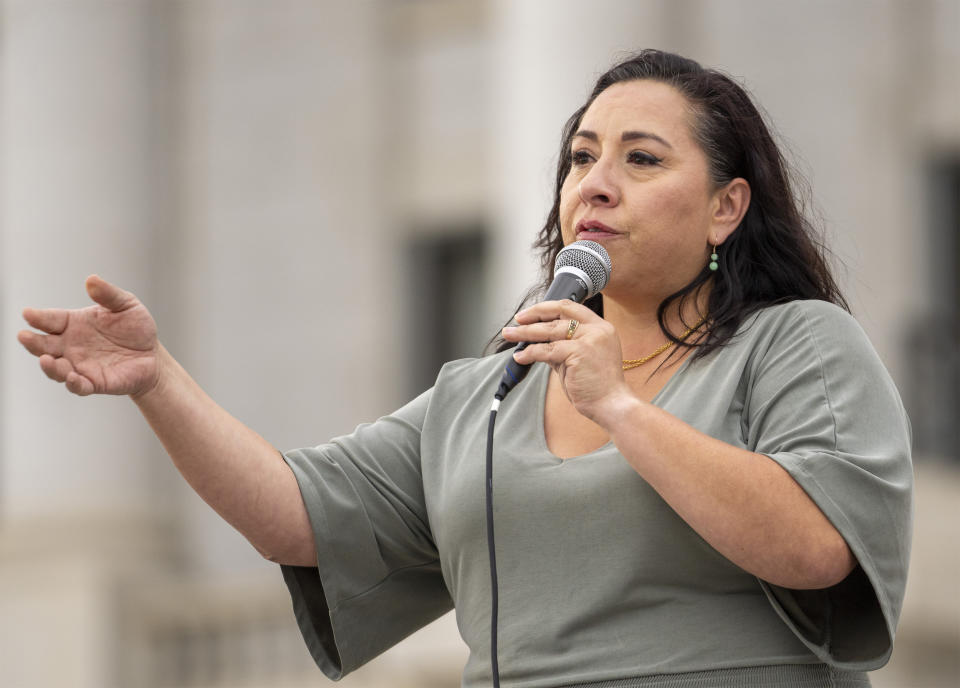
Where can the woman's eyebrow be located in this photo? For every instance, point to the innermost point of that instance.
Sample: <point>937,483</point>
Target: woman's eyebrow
<point>626,136</point>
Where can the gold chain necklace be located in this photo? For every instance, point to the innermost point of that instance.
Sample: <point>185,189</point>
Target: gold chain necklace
<point>630,364</point>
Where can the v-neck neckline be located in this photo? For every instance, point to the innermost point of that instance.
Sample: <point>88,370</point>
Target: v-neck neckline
<point>541,382</point>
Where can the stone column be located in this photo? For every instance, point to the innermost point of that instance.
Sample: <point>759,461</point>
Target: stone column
<point>80,182</point>
<point>288,298</point>
<point>546,58</point>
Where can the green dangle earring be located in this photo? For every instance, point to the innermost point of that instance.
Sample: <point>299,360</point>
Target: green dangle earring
<point>713,259</point>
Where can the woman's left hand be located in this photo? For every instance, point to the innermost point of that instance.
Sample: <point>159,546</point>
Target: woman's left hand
<point>589,363</point>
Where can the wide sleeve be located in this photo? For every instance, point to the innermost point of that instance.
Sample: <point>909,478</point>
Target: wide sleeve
<point>823,406</point>
<point>378,575</point>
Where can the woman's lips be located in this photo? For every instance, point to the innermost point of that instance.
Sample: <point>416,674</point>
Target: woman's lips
<point>594,230</point>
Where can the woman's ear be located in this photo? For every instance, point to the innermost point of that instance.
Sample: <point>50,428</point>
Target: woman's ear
<point>730,205</point>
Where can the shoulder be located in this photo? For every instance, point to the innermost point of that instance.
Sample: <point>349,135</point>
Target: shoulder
<point>800,316</point>
<point>811,368</point>
<point>462,394</point>
<point>474,369</point>
<point>475,366</point>
<point>819,342</point>
<point>467,377</point>
<point>820,327</point>
<point>809,344</point>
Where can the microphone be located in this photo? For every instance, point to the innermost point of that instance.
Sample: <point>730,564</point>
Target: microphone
<point>581,270</point>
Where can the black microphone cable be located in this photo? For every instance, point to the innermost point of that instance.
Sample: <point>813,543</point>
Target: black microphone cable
<point>491,546</point>
<point>581,270</point>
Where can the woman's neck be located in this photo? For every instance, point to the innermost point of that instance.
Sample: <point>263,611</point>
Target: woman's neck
<point>639,328</point>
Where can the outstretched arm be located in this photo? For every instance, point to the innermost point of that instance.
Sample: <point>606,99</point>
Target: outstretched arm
<point>112,348</point>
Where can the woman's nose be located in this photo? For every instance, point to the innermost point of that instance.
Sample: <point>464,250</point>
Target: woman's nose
<point>598,187</point>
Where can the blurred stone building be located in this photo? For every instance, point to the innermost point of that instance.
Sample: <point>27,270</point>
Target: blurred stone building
<point>320,201</point>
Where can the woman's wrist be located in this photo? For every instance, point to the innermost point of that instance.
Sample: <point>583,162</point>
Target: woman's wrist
<point>618,412</point>
<point>165,366</point>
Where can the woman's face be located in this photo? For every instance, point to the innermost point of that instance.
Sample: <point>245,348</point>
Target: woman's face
<point>639,185</point>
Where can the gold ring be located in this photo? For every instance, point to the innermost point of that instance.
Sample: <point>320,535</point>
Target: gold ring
<point>572,327</point>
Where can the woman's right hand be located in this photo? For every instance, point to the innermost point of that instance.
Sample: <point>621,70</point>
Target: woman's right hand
<point>109,348</point>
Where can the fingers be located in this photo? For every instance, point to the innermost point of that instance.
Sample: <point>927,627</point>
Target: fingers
<point>549,320</point>
<point>537,332</point>
<point>50,320</point>
<point>61,370</point>
<point>56,369</point>
<point>79,385</point>
<point>554,338</point>
<point>553,353</point>
<point>49,348</point>
<point>110,296</point>
<point>554,310</point>
<point>40,344</point>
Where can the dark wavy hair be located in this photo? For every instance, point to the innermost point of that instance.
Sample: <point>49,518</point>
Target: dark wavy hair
<point>776,253</point>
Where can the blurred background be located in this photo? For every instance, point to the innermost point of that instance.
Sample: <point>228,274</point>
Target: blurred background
<point>321,201</point>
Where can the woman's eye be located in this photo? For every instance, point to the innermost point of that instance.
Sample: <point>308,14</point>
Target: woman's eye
<point>580,157</point>
<point>641,158</point>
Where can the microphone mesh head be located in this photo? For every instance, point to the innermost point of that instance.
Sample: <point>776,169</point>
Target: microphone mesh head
<point>590,257</point>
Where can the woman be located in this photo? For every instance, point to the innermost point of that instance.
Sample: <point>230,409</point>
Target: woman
<point>734,514</point>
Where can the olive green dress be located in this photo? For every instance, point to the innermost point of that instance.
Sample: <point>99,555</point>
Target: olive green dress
<point>600,582</point>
